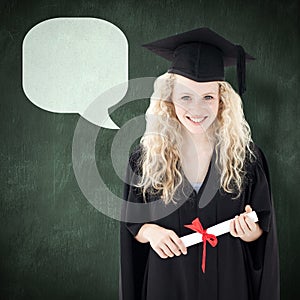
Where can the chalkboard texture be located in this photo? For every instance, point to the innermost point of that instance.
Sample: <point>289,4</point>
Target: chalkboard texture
<point>54,243</point>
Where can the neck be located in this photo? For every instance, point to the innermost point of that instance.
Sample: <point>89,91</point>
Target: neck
<point>197,144</point>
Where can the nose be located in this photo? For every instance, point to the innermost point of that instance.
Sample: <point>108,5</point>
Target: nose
<point>198,105</point>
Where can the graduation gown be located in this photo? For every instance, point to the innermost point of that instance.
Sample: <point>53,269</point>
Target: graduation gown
<point>235,269</point>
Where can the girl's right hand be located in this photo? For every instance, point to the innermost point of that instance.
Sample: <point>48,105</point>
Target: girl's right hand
<point>164,242</point>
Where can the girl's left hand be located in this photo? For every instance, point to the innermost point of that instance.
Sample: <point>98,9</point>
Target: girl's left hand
<point>243,227</point>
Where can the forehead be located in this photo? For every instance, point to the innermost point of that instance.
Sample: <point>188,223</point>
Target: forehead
<point>183,84</point>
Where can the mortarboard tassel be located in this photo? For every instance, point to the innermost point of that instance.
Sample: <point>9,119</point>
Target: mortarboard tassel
<point>241,67</point>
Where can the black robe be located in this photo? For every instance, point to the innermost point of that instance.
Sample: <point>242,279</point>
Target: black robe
<point>235,269</point>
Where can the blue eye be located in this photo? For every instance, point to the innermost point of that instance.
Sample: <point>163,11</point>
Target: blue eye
<point>185,98</point>
<point>208,97</point>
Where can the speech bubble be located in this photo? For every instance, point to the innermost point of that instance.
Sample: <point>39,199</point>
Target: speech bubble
<point>69,62</point>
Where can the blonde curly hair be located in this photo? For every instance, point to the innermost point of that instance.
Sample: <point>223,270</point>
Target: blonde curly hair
<point>160,159</point>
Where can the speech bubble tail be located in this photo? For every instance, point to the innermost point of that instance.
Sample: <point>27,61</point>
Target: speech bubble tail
<point>109,124</point>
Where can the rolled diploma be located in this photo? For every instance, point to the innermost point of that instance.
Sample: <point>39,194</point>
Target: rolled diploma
<point>219,229</point>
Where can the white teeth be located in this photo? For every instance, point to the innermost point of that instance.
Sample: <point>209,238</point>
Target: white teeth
<point>197,120</point>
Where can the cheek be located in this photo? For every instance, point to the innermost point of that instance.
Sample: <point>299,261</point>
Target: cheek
<point>215,108</point>
<point>179,111</point>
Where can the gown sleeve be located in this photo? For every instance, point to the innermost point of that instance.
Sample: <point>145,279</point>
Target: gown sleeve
<point>133,254</point>
<point>262,257</point>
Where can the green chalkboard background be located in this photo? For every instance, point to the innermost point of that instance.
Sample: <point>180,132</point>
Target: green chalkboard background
<point>54,243</point>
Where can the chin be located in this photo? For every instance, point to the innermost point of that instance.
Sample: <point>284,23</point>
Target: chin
<point>198,130</point>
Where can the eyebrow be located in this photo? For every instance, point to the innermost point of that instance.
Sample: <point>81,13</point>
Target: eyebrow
<point>185,93</point>
<point>207,93</point>
<point>214,93</point>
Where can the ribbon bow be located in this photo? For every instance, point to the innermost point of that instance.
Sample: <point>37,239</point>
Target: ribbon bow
<point>212,239</point>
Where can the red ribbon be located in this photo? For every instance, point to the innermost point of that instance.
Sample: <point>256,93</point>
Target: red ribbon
<point>211,238</point>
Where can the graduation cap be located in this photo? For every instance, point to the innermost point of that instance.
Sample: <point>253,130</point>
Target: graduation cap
<point>201,55</point>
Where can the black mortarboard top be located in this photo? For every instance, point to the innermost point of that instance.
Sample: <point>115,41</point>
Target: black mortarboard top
<point>201,55</point>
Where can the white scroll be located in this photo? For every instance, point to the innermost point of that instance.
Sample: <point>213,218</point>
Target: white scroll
<point>219,229</point>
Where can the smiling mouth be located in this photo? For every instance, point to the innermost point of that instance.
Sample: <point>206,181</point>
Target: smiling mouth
<point>197,121</point>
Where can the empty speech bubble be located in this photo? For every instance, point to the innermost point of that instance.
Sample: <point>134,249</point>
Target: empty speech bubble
<point>70,62</point>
